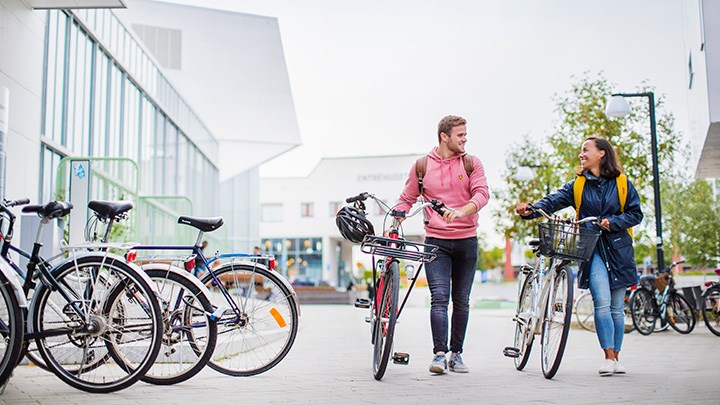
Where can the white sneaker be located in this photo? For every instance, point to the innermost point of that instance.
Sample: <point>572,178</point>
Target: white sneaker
<point>619,369</point>
<point>608,368</point>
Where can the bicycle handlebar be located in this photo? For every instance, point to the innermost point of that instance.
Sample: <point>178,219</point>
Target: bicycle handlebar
<point>595,220</point>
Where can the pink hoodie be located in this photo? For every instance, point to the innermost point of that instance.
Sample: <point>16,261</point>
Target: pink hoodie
<point>445,180</point>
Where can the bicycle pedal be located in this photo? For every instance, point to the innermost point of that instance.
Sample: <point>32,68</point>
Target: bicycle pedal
<point>513,352</point>
<point>401,358</point>
<point>362,303</point>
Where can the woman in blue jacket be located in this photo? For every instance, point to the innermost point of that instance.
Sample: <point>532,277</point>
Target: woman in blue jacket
<point>612,267</point>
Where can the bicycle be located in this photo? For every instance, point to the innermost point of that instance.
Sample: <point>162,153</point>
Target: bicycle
<point>584,310</point>
<point>255,308</point>
<point>664,303</point>
<point>89,303</point>
<point>710,306</point>
<point>189,322</point>
<point>546,296</point>
<point>384,309</point>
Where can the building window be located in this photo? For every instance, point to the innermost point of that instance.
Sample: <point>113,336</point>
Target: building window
<point>271,213</point>
<point>334,208</point>
<point>306,210</point>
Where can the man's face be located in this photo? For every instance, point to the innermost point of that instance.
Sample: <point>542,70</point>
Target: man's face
<point>456,139</point>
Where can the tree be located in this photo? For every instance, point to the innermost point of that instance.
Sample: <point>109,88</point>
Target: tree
<point>581,113</point>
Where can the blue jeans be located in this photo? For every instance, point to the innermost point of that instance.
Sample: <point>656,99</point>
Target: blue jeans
<point>451,274</point>
<point>609,306</point>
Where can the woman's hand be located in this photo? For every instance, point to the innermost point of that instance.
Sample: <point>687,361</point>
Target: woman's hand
<point>605,224</point>
<point>522,209</point>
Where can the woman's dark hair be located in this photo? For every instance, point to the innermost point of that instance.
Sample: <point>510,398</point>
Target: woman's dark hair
<point>610,166</point>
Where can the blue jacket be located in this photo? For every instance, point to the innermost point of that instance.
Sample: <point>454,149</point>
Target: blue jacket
<point>600,198</point>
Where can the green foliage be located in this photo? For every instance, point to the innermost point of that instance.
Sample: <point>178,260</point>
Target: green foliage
<point>581,113</point>
<point>488,258</point>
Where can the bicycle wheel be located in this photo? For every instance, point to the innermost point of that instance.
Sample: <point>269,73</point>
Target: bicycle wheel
<point>385,317</point>
<point>556,324</point>
<point>257,331</point>
<point>711,309</point>
<point>107,331</point>
<point>189,335</point>
<point>11,329</point>
<point>644,311</point>
<point>629,327</point>
<point>680,315</point>
<point>524,333</point>
<point>585,311</point>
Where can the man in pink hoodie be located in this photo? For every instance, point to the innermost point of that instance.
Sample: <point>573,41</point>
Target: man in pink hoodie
<point>455,233</point>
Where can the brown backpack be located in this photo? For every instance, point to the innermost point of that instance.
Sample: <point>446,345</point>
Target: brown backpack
<point>421,167</point>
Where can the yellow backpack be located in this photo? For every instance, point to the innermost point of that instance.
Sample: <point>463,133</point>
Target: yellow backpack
<point>622,186</point>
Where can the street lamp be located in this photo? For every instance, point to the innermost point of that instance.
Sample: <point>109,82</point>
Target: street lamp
<point>619,107</point>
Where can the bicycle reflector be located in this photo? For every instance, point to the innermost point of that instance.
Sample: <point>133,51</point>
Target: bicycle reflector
<point>271,264</point>
<point>131,256</point>
<point>190,263</point>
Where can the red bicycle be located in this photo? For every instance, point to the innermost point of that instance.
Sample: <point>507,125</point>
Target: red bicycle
<point>383,304</point>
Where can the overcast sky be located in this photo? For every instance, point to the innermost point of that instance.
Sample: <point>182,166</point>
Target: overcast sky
<point>373,77</point>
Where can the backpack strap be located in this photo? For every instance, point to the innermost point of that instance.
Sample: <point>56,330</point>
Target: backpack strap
<point>577,194</point>
<point>622,187</point>
<point>421,168</point>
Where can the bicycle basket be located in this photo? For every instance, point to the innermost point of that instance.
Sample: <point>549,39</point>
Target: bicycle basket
<point>661,281</point>
<point>567,241</point>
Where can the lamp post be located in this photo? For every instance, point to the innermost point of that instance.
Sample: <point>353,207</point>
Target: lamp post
<point>619,107</point>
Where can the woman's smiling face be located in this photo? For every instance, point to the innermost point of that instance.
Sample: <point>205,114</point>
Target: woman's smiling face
<point>591,157</point>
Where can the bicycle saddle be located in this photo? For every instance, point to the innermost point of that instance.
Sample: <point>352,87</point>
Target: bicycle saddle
<point>110,209</point>
<point>647,281</point>
<point>203,224</point>
<point>51,210</point>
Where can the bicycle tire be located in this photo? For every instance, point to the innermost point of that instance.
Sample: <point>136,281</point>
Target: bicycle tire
<point>120,317</point>
<point>711,309</point>
<point>644,311</point>
<point>585,311</point>
<point>189,335</point>
<point>262,333</point>
<point>11,328</point>
<point>524,333</point>
<point>556,325</point>
<point>385,318</point>
<point>680,314</point>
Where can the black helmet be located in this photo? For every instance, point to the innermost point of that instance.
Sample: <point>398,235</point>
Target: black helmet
<point>352,224</point>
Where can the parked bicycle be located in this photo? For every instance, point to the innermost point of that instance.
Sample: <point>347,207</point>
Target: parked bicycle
<point>711,305</point>
<point>385,308</point>
<point>585,311</point>
<point>256,309</point>
<point>546,296</point>
<point>94,317</point>
<point>664,302</point>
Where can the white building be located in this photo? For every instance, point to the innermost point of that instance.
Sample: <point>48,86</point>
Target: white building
<point>173,93</point>
<point>298,215</point>
<point>702,47</point>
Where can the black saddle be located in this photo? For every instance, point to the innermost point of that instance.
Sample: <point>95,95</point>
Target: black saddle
<point>51,210</point>
<point>109,209</point>
<point>203,224</point>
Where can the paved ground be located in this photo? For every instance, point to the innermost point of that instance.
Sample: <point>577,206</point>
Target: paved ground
<point>331,363</point>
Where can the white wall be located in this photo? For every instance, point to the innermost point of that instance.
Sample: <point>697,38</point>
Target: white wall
<point>22,38</point>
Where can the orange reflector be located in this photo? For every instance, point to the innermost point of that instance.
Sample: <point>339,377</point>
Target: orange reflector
<point>278,318</point>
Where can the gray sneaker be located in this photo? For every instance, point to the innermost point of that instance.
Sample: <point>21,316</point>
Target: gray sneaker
<point>438,364</point>
<point>457,365</point>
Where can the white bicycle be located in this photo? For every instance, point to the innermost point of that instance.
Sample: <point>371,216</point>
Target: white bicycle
<point>546,294</point>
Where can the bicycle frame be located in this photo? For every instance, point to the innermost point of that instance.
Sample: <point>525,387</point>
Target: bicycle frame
<point>542,288</point>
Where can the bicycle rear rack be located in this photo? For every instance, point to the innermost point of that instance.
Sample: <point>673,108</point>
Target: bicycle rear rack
<point>398,248</point>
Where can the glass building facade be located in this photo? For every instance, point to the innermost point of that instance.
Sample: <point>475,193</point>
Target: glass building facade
<point>104,96</point>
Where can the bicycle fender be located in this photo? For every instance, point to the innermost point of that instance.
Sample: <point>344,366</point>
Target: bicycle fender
<point>12,277</point>
<point>179,271</point>
<point>275,273</point>
<point>110,257</point>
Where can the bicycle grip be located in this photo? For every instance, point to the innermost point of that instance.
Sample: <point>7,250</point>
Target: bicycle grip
<point>359,197</point>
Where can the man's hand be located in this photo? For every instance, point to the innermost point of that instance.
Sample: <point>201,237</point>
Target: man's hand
<point>451,214</point>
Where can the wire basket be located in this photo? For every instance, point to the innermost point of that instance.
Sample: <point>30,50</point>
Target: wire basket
<point>398,248</point>
<point>567,241</point>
